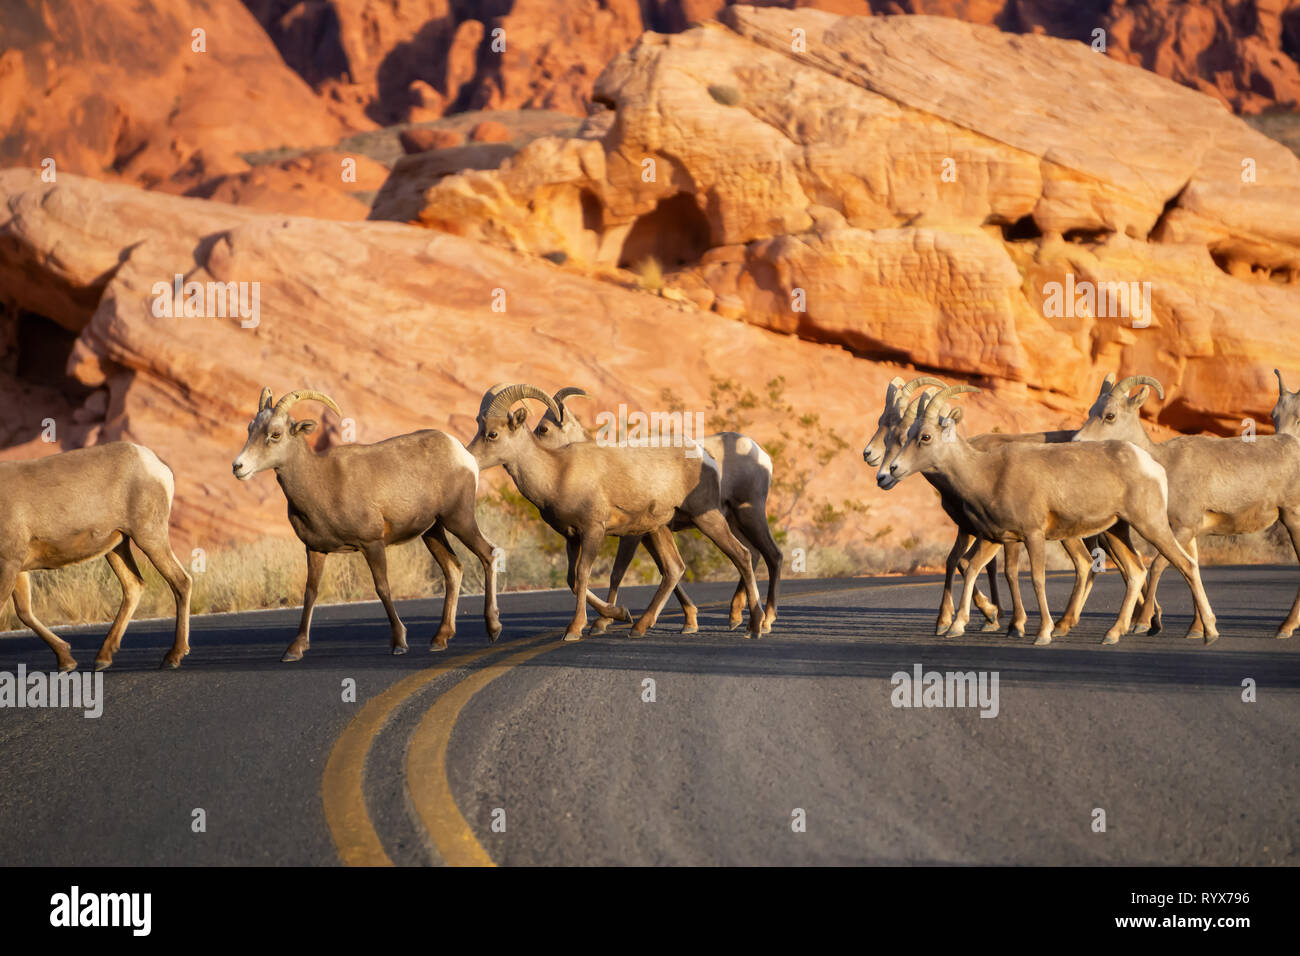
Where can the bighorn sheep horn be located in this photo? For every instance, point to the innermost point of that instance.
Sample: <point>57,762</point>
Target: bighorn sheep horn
<point>939,404</point>
<point>904,393</point>
<point>1281,389</point>
<point>568,391</point>
<point>1126,385</point>
<point>506,396</point>
<point>288,400</point>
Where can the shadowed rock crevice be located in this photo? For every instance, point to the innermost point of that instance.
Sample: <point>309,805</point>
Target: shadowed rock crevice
<point>675,233</point>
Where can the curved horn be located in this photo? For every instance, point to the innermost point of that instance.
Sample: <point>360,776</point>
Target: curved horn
<point>290,399</point>
<point>1281,389</point>
<point>939,400</point>
<point>1126,385</point>
<point>915,405</point>
<point>264,402</point>
<point>500,403</point>
<point>569,391</point>
<point>904,393</point>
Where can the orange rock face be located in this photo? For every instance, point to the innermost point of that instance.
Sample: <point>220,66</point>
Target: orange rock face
<point>839,193</point>
<point>167,97</point>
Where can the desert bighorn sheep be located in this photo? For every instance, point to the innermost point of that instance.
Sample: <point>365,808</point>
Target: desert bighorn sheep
<point>81,504</point>
<point>746,473</point>
<point>1035,492</point>
<point>895,421</point>
<point>366,497</point>
<point>1217,486</point>
<point>586,492</point>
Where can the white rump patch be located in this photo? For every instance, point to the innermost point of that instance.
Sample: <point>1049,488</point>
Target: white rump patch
<point>155,469</point>
<point>464,457</point>
<point>1149,466</point>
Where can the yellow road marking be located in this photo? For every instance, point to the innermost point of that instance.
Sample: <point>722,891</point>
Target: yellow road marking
<point>342,791</point>
<point>426,765</point>
<point>341,785</point>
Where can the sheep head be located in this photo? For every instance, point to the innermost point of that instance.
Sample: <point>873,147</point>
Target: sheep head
<point>1115,413</point>
<point>502,433</point>
<point>273,434</point>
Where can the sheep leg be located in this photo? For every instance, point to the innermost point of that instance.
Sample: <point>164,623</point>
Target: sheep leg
<point>158,549</point>
<point>984,552</point>
<point>752,527</point>
<point>435,539</point>
<point>302,640</point>
<point>736,612</point>
<point>627,546</point>
<point>21,586</point>
<point>603,608</point>
<point>715,528</point>
<point>1036,545</point>
<point>1123,533</point>
<point>376,554</point>
<point>465,527</point>
<point>1167,544</point>
<point>663,549</point>
<point>1198,628</point>
<point>959,547</point>
<point>1082,560</point>
<point>1011,572</point>
<point>587,549</point>
<point>1130,564</point>
<point>1291,521</point>
<point>994,606</point>
<point>128,574</point>
<point>1148,616</point>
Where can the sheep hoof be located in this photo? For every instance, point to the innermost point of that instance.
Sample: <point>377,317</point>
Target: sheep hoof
<point>170,663</point>
<point>1194,635</point>
<point>1060,631</point>
<point>399,650</point>
<point>941,629</point>
<point>733,624</point>
<point>637,632</point>
<point>436,646</point>
<point>71,665</point>
<point>1110,638</point>
<point>570,637</point>
<point>753,635</point>
<point>689,629</point>
<point>767,627</point>
<point>1282,635</point>
<point>1043,640</point>
<point>99,665</point>
<point>290,657</point>
<point>1210,639</point>
<point>990,626</point>
<point>493,634</point>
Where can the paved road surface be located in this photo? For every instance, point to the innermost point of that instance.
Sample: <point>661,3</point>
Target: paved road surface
<point>556,742</point>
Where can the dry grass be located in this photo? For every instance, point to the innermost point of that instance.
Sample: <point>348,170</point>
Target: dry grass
<point>649,275</point>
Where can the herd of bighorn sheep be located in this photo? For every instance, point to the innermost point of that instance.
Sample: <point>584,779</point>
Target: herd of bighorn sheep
<point>1089,488</point>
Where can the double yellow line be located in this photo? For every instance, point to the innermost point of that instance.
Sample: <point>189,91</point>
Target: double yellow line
<point>342,789</point>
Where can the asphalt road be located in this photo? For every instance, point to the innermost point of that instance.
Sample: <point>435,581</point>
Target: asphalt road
<point>555,745</point>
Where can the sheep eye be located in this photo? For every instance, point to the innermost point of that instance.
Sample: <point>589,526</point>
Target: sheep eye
<point>274,437</point>
<point>492,436</point>
<point>1110,416</point>
<point>542,430</point>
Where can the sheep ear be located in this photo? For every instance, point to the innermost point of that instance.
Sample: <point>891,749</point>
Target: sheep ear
<point>1107,384</point>
<point>517,418</point>
<point>891,390</point>
<point>1140,396</point>
<point>264,402</point>
<point>305,427</point>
